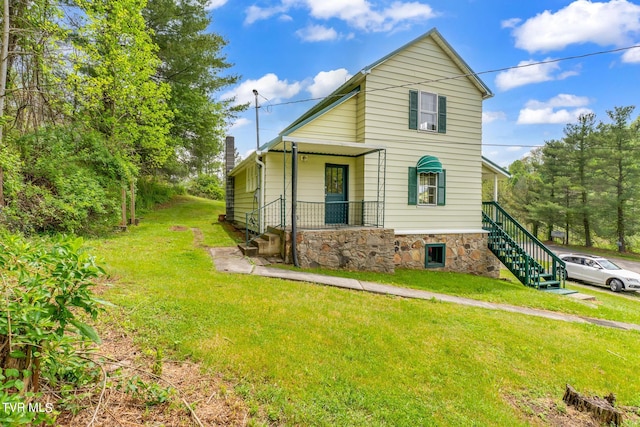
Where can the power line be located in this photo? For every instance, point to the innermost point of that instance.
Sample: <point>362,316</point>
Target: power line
<point>497,70</point>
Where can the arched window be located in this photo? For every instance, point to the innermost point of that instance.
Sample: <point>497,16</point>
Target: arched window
<point>427,182</point>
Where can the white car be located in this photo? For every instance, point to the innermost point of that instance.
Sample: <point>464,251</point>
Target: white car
<point>600,271</point>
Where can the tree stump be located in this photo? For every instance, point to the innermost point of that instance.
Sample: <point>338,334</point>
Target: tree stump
<point>600,408</point>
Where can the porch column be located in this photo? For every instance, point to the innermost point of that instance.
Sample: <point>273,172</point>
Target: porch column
<point>495,188</point>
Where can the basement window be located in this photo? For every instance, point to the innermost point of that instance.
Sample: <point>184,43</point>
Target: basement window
<point>435,255</point>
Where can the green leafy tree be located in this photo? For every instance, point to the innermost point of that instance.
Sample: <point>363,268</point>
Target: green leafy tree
<point>523,189</point>
<point>114,82</point>
<point>192,64</point>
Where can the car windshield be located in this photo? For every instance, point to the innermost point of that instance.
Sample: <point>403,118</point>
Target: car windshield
<point>608,265</point>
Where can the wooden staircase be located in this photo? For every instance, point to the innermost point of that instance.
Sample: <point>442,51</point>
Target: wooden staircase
<point>523,254</point>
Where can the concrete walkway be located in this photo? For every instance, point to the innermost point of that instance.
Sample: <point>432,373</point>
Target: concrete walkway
<point>231,260</point>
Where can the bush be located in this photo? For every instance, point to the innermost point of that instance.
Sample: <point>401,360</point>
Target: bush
<point>207,186</point>
<point>152,191</point>
<point>64,180</point>
<point>44,285</point>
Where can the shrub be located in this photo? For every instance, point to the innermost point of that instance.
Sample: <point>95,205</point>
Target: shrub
<point>43,286</point>
<point>62,180</point>
<point>152,191</point>
<point>207,186</point>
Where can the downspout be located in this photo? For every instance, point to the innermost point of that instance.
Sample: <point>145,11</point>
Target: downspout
<point>260,187</point>
<point>294,202</point>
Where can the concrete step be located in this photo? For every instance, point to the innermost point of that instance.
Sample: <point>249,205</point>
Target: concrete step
<point>248,250</point>
<point>267,244</point>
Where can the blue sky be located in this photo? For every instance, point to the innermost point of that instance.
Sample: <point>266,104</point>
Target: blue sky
<point>296,51</point>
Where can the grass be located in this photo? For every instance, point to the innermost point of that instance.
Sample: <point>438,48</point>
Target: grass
<point>507,291</point>
<point>302,354</point>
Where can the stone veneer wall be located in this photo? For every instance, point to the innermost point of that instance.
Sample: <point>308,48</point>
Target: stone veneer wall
<point>366,249</point>
<point>466,253</point>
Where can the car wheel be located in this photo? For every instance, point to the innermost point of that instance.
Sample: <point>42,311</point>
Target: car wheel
<point>615,285</point>
<point>565,275</point>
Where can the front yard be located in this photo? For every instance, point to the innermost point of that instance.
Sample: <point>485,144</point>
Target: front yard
<point>300,354</point>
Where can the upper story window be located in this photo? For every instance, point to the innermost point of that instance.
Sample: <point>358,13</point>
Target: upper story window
<point>427,111</point>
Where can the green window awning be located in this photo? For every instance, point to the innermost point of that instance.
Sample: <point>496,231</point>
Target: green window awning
<point>429,164</point>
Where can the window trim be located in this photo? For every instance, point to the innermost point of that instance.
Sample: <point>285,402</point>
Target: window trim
<point>435,186</point>
<point>433,113</point>
<point>443,247</point>
<point>415,111</point>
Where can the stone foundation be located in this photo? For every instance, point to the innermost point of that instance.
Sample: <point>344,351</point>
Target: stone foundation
<point>465,253</point>
<point>377,249</point>
<point>365,249</point>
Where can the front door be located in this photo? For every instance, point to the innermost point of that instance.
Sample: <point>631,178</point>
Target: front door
<point>336,179</point>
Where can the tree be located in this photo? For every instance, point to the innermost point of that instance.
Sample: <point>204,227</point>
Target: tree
<point>620,168</point>
<point>192,65</point>
<point>524,189</point>
<point>579,139</point>
<point>114,86</point>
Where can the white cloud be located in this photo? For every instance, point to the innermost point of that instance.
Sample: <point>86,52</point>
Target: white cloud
<point>514,148</point>
<point>255,13</point>
<point>326,82</point>
<point>214,4</point>
<point>317,33</point>
<point>530,116</point>
<point>632,55</point>
<point>527,72</point>
<point>561,109</point>
<point>358,14</point>
<point>492,116</point>
<point>268,86</point>
<point>510,23</point>
<point>240,122</point>
<point>561,100</point>
<point>583,21</point>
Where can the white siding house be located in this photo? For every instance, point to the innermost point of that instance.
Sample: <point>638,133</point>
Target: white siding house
<point>389,169</point>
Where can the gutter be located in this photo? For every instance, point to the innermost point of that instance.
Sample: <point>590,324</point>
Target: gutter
<point>261,165</point>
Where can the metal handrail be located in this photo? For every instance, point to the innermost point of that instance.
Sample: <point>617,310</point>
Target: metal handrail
<point>269,215</point>
<point>495,217</point>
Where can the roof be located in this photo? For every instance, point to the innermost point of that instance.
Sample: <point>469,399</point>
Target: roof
<point>495,168</point>
<point>352,85</point>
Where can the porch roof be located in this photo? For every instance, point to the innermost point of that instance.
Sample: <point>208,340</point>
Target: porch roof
<point>310,146</point>
<point>490,167</point>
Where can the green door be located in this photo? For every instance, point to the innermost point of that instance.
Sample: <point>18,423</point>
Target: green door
<point>336,179</point>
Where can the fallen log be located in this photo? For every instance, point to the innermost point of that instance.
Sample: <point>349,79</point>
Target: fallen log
<point>600,408</point>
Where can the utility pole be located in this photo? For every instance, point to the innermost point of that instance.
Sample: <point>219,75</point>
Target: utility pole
<point>255,93</point>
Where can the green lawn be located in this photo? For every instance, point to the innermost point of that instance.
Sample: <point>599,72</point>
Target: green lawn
<point>303,354</point>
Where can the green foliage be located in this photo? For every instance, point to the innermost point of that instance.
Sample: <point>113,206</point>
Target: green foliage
<point>114,85</point>
<point>152,192</point>
<point>585,183</point>
<point>65,181</point>
<point>43,286</point>
<point>207,186</point>
<point>192,65</point>
<point>149,392</point>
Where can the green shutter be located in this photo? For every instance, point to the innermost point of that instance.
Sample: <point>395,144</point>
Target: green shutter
<point>442,185</point>
<point>442,114</point>
<point>413,186</point>
<point>413,109</point>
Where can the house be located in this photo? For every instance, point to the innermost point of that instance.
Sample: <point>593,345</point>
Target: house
<point>385,172</point>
